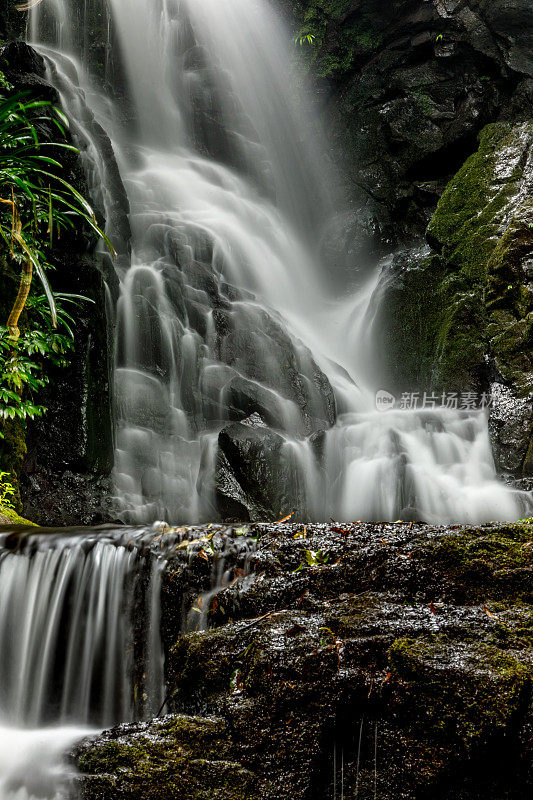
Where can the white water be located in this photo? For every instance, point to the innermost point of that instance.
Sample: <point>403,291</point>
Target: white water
<point>67,606</point>
<point>225,286</point>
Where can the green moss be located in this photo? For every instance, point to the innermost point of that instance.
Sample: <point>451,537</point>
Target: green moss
<point>472,299</point>
<point>466,693</point>
<point>502,548</point>
<point>337,38</point>
<point>12,516</point>
<point>179,757</point>
<point>432,327</point>
<point>510,303</point>
<point>424,103</point>
<point>465,222</point>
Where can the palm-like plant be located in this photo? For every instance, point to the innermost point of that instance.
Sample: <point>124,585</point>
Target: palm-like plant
<point>41,203</point>
<point>36,205</point>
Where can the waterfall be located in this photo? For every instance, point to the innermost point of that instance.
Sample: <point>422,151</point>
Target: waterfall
<point>72,659</point>
<point>226,310</point>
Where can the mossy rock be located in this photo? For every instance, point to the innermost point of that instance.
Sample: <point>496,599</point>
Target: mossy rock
<point>467,692</point>
<point>9,516</point>
<point>468,217</point>
<point>168,759</point>
<point>461,316</point>
<point>429,329</point>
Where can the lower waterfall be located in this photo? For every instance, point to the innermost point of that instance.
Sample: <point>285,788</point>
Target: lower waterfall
<point>71,660</point>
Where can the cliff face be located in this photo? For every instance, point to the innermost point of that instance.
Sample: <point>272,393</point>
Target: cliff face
<point>412,82</point>
<point>431,105</point>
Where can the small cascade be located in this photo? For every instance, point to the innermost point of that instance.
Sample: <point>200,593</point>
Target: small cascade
<point>70,608</point>
<point>231,563</point>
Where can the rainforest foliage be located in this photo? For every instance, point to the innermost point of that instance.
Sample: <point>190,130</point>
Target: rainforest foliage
<point>37,206</point>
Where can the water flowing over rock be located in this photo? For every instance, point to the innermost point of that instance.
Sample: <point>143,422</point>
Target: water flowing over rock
<point>353,660</point>
<point>222,302</point>
<point>79,634</point>
<point>287,660</point>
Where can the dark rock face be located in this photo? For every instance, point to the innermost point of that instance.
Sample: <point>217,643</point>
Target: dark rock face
<point>458,317</point>
<point>412,84</point>
<point>68,453</point>
<point>253,468</point>
<point>190,757</point>
<point>12,21</point>
<point>374,660</point>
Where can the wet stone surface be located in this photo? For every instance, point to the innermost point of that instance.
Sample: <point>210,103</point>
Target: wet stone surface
<point>356,660</point>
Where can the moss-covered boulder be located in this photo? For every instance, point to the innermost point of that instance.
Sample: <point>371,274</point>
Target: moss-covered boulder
<point>175,757</point>
<point>357,660</point>
<point>8,516</point>
<point>459,316</point>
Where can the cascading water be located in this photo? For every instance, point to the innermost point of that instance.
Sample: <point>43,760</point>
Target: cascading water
<point>69,663</point>
<point>225,309</point>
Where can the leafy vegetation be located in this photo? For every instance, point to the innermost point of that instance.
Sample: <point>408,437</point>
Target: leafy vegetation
<point>7,490</point>
<point>37,206</point>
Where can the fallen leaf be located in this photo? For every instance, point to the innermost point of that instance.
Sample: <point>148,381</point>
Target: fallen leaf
<point>284,519</point>
<point>490,614</point>
<point>295,630</point>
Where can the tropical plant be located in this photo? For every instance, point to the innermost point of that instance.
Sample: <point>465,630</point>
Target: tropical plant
<point>41,203</point>
<point>7,490</point>
<point>21,361</point>
<point>37,204</point>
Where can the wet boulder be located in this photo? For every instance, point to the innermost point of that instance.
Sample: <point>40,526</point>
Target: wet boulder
<point>254,474</point>
<point>355,660</point>
<point>176,756</point>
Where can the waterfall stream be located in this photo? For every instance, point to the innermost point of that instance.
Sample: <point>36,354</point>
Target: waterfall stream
<point>226,309</point>
<point>69,602</point>
<point>223,309</point>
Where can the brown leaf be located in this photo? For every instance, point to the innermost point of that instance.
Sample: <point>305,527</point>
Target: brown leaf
<point>490,614</point>
<point>284,519</point>
<point>295,630</point>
